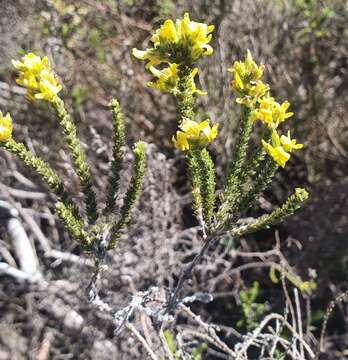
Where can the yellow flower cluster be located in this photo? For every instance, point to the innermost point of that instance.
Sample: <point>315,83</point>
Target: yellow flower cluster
<point>246,81</point>
<point>281,147</point>
<point>181,42</point>
<point>193,135</point>
<point>36,75</point>
<point>270,112</point>
<point>168,80</point>
<point>254,94</point>
<point>5,127</point>
<point>175,44</point>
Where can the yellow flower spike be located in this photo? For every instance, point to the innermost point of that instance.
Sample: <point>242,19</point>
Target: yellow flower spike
<point>246,81</point>
<point>36,75</point>
<point>193,135</point>
<point>5,127</point>
<point>182,42</point>
<point>281,148</point>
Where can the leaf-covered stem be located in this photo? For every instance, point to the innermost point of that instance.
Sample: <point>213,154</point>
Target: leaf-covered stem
<point>235,175</point>
<point>184,95</point>
<point>46,173</point>
<point>253,167</point>
<point>196,184</point>
<point>292,204</point>
<point>131,194</point>
<point>264,177</point>
<point>73,225</point>
<point>206,173</point>
<point>117,156</point>
<point>79,159</point>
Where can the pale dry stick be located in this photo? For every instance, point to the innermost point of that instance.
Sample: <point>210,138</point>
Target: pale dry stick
<point>286,313</point>
<point>142,340</point>
<point>257,332</point>
<point>35,229</point>
<point>206,338</point>
<point>289,306</point>
<point>44,351</point>
<point>259,254</point>
<point>23,248</point>
<point>21,178</point>
<point>299,320</point>
<point>143,321</point>
<point>308,316</point>
<point>181,345</point>
<point>276,333</point>
<point>48,251</point>
<point>329,310</point>
<point>20,275</point>
<point>63,256</point>
<point>6,255</point>
<point>25,194</point>
<point>227,329</point>
<point>208,329</point>
<point>288,299</point>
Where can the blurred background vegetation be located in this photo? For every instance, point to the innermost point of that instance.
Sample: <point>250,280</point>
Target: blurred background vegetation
<point>304,45</point>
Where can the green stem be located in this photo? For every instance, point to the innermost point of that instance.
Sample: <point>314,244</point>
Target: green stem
<point>196,184</point>
<point>46,173</point>
<point>131,194</point>
<point>185,98</point>
<point>264,177</point>
<point>79,159</point>
<point>73,225</point>
<point>292,204</point>
<point>236,176</point>
<point>207,180</point>
<point>118,153</point>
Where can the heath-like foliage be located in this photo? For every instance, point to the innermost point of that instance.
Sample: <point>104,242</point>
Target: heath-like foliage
<point>97,228</point>
<point>171,61</point>
<point>179,45</point>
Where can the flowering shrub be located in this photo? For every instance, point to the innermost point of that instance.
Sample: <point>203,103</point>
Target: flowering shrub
<point>171,63</point>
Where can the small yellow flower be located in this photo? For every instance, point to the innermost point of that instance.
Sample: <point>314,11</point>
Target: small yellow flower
<point>181,42</point>
<point>5,127</point>
<point>271,112</point>
<point>197,35</point>
<point>289,144</point>
<point>246,80</point>
<point>36,75</point>
<point>254,90</point>
<point>166,33</point>
<point>280,148</point>
<point>168,79</point>
<point>193,135</point>
<point>279,155</point>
